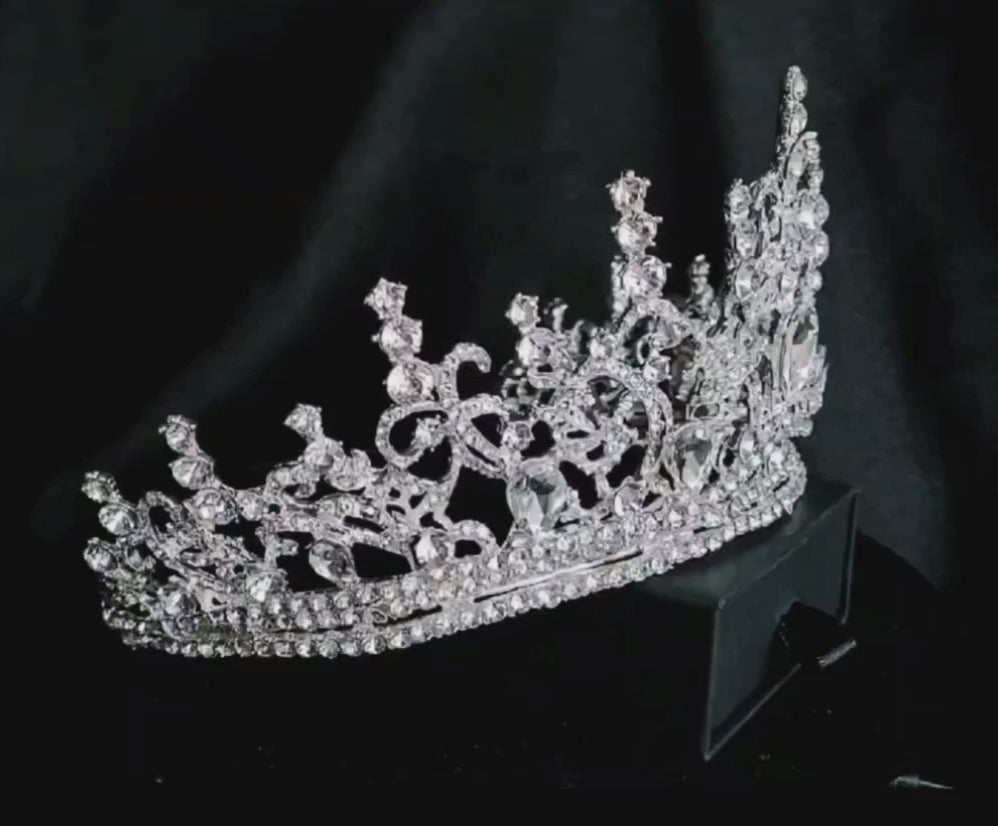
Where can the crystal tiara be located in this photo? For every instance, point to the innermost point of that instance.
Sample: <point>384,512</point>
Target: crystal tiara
<point>625,449</point>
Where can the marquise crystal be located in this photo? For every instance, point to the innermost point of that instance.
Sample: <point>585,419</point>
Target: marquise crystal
<point>624,449</point>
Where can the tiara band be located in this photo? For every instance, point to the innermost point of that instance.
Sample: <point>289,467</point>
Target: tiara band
<point>625,449</point>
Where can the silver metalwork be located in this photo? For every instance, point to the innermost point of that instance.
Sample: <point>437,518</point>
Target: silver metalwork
<point>693,401</point>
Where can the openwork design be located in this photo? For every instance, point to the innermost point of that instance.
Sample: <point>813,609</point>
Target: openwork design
<point>625,449</point>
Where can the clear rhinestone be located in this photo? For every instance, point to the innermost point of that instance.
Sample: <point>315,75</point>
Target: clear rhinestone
<point>260,585</point>
<point>537,347</point>
<point>331,561</point>
<point>430,546</point>
<point>409,382</point>
<point>214,506</point>
<point>321,453</point>
<point>327,647</point>
<point>98,556</point>
<point>746,238</point>
<point>353,472</point>
<point>523,311</point>
<point>303,619</point>
<point>641,276</point>
<point>797,161</point>
<point>693,452</point>
<point>629,498</point>
<point>796,119</point>
<point>797,85</point>
<point>800,346</point>
<point>192,471</point>
<point>537,493</point>
<point>179,433</point>
<point>251,505</point>
<point>807,211</point>
<point>745,280</point>
<point>628,192</point>
<point>304,647</point>
<point>739,200</point>
<point>820,252</point>
<point>387,298</point>
<point>305,420</point>
<point>636,232</point>
<point>401,335</point>
<point>99,487</point>
<point>175,602</point>
<point>118,519</point>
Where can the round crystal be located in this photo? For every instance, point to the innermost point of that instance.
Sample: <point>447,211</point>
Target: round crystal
<point>409,382</point>
<point>820,249</point>
<point>98,556</point>
<point>179,433</point>
<point>523,311</point>
<point>214,506</point>
<point>401,335</point>
<point>98,487</point>
<point>118,519</point>
<point>251,506</point>
<point>191,472</point>
<point>628,192</point>
<point>636,232</point>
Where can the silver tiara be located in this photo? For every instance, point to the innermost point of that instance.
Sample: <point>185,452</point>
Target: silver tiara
<point>625,449</point>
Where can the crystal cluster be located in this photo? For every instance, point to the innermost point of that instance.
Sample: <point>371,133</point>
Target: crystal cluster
<point>625,449</point>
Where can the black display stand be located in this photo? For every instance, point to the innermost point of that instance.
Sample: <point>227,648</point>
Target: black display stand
<point>617,685</point>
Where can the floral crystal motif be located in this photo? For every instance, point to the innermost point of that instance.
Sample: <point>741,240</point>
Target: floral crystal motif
<point>679,412</point>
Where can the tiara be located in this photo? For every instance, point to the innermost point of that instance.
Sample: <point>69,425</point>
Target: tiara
<point>625,450</point>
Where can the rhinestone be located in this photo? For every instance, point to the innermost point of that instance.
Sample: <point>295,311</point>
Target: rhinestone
<point>401,335</point>
<point>628,192</point>
<point>331,561</point>
<point>796,119</point>
<point>739,200</point>
<point>303,619</point>
<point>179,433</point>
<point>98,556</point>
<point>328,647</point>
<point>797,85</point>
<point>409,382</point>
<point>260,585</point>
<point>305,420</point>
<point>191,471</point>
<point>537,493</point>
<point>118,519</point>
<point>304,647</point>
<point>523,311</point>
<point>99,487</point>
<point>636,232</point>
<point>387,298</point>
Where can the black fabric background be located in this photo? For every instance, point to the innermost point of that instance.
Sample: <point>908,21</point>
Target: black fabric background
<point>197,196</point>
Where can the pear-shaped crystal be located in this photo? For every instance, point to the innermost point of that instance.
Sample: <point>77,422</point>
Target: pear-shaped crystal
<point>693,451</point>
<point>331,560</point>
<point>537,493</point>
<point>799,350</point>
